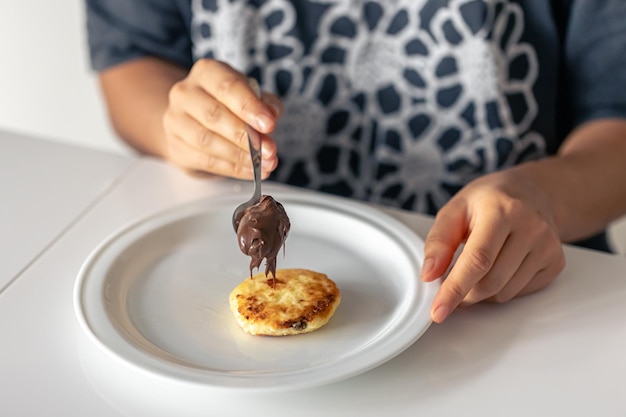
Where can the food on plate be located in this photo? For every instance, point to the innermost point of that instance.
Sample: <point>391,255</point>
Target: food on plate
<point>294,301</point>
<point>262,231</point>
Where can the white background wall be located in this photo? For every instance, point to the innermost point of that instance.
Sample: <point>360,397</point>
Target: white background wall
<point>47,88</point>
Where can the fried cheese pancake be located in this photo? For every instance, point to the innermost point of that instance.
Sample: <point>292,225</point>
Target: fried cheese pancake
<point>294,301</point>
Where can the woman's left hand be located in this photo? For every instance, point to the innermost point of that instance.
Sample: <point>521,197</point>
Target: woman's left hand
<point>511,243</point>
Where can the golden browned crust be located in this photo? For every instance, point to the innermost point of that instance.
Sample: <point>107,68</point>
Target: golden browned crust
<point>297,301</point>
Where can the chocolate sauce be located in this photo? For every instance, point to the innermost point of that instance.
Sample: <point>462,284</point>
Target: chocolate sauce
<point>262,231</point>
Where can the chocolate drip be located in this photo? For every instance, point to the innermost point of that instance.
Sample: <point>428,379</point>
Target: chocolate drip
<point>262,231</point>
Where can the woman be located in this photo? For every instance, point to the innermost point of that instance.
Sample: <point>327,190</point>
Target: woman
<point>504,118</point>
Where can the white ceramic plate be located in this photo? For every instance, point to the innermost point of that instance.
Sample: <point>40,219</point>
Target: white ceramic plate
<point>156,295</point>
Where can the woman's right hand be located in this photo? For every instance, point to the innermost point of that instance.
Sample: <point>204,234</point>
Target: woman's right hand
<point>204,122</point>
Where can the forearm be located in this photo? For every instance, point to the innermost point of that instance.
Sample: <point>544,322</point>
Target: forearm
<point>136,95</point>
<point>586,181</point>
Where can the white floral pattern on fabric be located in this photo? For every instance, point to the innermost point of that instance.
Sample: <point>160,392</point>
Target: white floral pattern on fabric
<point>384,102</point>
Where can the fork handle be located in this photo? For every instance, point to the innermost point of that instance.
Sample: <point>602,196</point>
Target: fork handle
<point>255,156</point>
<point>254,138</point>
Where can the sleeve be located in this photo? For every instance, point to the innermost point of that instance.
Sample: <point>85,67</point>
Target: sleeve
<point>595,54</point>
<point>121,30</point>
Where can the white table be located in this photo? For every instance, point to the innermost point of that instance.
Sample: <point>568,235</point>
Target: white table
<point>558,352</point>
<point>44,188</point>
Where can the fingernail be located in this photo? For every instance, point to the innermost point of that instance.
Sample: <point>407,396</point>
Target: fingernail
<point>440,314</point>
<point>263,122</point>
<point>429,263</point>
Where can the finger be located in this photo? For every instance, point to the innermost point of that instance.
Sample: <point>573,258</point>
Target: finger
<point>215,117</point>
<point>509,259</point>
<point>442,241</point>
<point>269,155</point>
<point>198,137</point>
<point>210,152</point>
<point>478,256</point>
<point>541,280</point>
<point>535,273</point>
<point>231,88</point>
<point>274,103</point>
<point>188,157</point>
